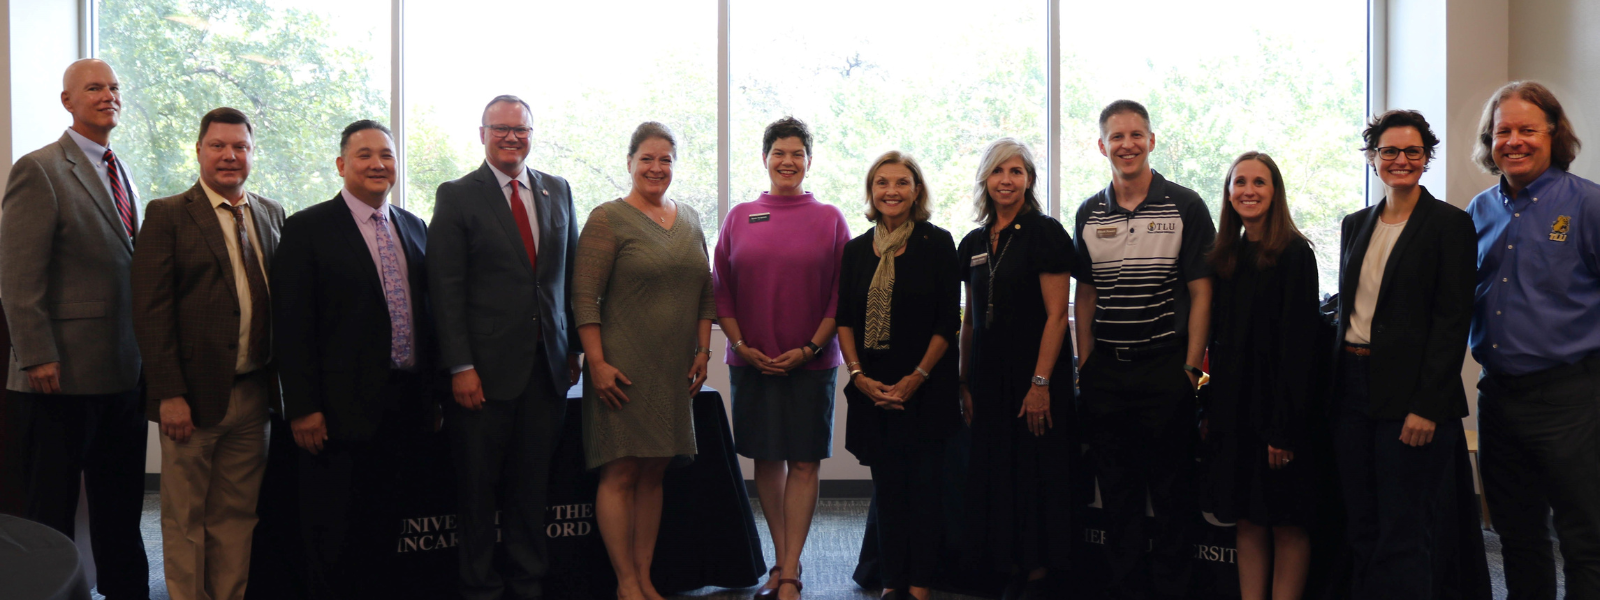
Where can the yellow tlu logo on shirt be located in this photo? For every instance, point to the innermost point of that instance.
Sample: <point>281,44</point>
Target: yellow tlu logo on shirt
<point>1558,231</point>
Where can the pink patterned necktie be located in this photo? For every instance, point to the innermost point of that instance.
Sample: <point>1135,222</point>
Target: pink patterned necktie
<point>394,293</point>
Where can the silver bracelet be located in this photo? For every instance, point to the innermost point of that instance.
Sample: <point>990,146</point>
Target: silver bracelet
<point>924,374</point>
<point>854,373</point>
<point>852,364</point>
<point>737,344</point>
<point>705,351</point>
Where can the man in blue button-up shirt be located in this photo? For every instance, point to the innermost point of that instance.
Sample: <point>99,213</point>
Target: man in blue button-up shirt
<point>1536,330</point>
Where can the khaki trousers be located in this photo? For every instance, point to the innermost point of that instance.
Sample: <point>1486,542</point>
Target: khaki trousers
<point>209,488</point>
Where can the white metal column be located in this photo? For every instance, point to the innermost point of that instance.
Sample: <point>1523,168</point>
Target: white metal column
<point>724,100</point>
<point>397,104</point>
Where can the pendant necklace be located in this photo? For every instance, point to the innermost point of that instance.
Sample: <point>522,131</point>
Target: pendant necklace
<point>994,265</point>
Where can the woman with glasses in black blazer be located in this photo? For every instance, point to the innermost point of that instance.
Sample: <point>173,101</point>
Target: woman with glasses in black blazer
<point>1406,277</point>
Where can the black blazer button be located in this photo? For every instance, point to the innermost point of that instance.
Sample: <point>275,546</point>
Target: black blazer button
<point>1378,329</point>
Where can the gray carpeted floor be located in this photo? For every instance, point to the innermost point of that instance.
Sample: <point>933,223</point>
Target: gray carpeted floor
<point>830,555</point>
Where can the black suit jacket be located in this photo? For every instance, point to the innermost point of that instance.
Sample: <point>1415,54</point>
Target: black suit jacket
<point>492,305</point>
<point>331,323</point>
<point>1424,309</point>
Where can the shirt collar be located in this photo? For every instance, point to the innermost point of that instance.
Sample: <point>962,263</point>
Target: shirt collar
<point>502,178</point>
<point>359,209</point>
<point>1535,189</point>
<point>92,149</point>
<point>1158,189</point>
<point>217,201</point>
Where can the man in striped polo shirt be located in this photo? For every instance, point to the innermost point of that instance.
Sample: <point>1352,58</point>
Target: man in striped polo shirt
<point>1143,312</point>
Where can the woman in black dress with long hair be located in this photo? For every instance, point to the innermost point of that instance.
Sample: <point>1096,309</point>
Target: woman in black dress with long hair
<point>899,311</point>
<point>1016,371</point>
<point>1264,324</point>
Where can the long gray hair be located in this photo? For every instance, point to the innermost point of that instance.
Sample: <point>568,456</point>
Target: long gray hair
<point>998,152</point>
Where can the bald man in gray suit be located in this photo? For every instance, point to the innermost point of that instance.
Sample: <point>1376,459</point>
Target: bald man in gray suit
<point>70,214</point>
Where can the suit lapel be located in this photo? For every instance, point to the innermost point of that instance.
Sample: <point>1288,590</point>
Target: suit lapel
<point>408,243</point>
<point>205,219</point>
<point>544,214</point>
<point>501,209</point>
<point>266,233</point>
<point>1414,223</point>
<point>84,170</point>
<point>1358,252</point>
<point>345,225</point>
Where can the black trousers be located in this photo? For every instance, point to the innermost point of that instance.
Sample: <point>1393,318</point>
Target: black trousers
<point>502,461</point>
<point>1392,492</point>
<point>347,515</point>
<point>907,483</point>
<point>102,437</point>
<point>1540,450</point>
<point>1141,430</point>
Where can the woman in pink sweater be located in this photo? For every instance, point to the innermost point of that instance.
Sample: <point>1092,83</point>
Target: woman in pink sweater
<point>776,275</point>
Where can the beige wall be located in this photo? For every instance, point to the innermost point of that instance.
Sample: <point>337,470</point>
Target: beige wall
<point>1557,43</point>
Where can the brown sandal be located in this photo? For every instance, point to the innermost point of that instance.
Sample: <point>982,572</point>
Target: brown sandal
<point>771,592</point>
<point>798,587</point>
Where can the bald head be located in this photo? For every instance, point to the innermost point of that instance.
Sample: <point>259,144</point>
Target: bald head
<point>91,92</point>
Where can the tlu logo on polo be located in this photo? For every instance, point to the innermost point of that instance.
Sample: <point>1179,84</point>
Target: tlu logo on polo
<point>1155,227</point>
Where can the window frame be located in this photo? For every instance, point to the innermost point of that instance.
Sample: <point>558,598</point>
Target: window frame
<point>1377,50</point>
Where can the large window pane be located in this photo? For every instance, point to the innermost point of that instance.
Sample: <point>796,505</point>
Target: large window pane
<point>302,70</point>
<point>869,76</point>
<point>1221,78</point>
<point>591,73</point>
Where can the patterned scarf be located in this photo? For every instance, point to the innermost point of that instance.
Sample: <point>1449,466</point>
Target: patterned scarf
<point>887,243</point>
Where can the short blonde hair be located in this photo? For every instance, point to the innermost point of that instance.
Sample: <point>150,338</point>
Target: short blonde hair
<point>1000,151</point>
<point>919,205</point>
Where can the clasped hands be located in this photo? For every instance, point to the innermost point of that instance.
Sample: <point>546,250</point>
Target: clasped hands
<point>781,365</point>
<point>890,397</point>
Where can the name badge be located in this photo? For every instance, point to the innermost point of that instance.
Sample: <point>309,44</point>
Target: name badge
<point>1105,232</point>
<point>760,217</point>
<point>980,259</point>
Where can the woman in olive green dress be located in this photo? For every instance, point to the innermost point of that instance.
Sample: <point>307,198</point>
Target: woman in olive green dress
<point>643,300</point>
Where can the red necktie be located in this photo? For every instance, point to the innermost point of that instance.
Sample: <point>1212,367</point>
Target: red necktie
<point>520,213</point>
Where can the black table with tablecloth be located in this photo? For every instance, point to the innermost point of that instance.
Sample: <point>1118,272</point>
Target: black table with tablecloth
<point>38,563</point>
<point>708,535</point>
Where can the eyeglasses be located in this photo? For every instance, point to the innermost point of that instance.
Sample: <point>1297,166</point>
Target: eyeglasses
<point>1391,152</point>
<point>501,131</point>
<point>1523,132</point>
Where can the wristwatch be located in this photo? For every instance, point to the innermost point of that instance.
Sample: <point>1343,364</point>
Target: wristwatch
<point>1041,381</point>
<point>815,349</point>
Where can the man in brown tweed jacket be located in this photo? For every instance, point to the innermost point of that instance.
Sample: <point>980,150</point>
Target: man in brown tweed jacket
<point>202,317</point>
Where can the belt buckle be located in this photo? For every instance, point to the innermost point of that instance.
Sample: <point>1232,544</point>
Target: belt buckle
<point>1117,351</point>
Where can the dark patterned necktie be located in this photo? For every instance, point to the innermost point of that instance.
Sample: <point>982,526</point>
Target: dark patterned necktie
<point>260,315</point>
<point>119,191</point>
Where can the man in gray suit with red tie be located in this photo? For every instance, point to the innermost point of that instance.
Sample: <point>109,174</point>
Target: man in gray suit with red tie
<point>503,239</point>
<point>66,243</point>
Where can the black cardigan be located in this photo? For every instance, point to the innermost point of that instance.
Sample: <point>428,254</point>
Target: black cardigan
<point>925,302</point>
<point>1424,309</point>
